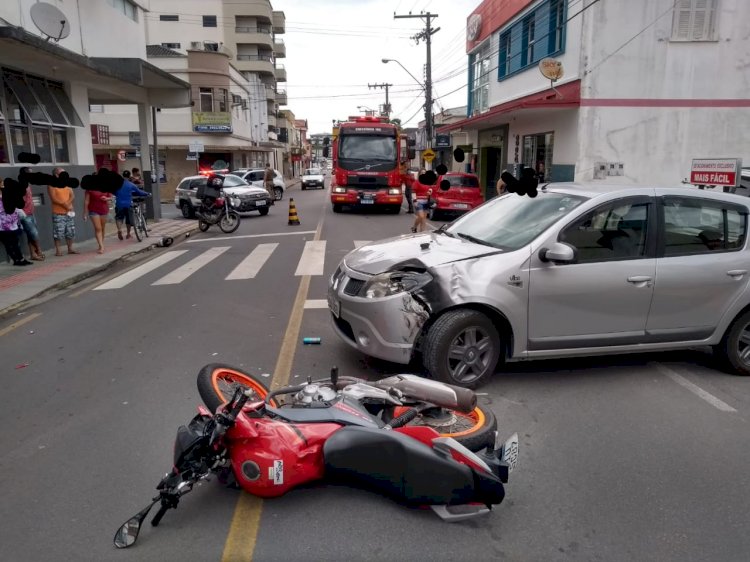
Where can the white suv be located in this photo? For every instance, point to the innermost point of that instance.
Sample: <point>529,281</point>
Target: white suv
<point>255,177</point>
<point>247,197</point>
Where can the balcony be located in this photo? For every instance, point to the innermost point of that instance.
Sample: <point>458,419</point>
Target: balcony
<point>279,22</point>
<point>270,94</point>
<point>254,36</point>
<point>271,121</point>
<point>255,63</point>
<point>280,73</point>
<point>281,98</point>
<point>279,49</point>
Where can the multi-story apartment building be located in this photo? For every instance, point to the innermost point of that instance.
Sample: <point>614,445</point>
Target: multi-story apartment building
<point>55,60</point>
<point>644,88</point>
<point>228,52</point>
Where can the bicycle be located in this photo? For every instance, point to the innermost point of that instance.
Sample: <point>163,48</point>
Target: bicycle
<point>139,218</point>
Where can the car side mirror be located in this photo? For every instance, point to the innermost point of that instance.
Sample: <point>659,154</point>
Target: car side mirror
<point>559,253</point>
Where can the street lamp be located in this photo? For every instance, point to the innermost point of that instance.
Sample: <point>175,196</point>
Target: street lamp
<point>427,105</point>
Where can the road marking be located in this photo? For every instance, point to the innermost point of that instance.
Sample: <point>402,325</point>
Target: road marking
<point>250,266</point>
<point>313,258</point>
<point>185,271</point>
<point>243,531</point>
<point>360,243</point>
<point>316,303</point>
<point>18,323</point>
<point>121,280</point>
<point>295,233</point>
<point>695,389</point>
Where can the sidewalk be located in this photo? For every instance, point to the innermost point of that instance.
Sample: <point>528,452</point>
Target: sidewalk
<point>19,285</point>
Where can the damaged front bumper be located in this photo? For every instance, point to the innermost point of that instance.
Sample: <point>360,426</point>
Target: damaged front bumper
<point>386,327</point>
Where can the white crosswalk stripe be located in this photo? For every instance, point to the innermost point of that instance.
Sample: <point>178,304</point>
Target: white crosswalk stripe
<point>313,258</point>
<point>121,280</point>
<point>185,271</point>
<point>250,266</point>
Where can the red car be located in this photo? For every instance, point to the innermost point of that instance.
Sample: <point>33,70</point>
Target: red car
<point>463,194</point>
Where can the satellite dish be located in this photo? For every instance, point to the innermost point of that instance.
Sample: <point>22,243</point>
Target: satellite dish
<point>50,21</point>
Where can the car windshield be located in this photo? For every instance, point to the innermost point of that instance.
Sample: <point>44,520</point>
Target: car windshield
<point>462,181</point>
<point>368,148</point>
<point>510,221</point>
<point>233,181</point>
<point>312,172</point>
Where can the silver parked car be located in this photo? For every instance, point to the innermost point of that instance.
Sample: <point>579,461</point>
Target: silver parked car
<point>578,270</point>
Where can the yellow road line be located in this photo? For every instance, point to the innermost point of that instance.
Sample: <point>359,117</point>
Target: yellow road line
<point>243,531</point>
<point>18,323</point>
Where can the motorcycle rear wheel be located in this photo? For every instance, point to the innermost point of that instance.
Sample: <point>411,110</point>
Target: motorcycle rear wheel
<point>203,226</point>
<point>475,430</point>
<point>229,222</point>
<point>217,383</point>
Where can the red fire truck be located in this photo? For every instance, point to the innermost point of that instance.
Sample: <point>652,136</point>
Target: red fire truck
<point>366,156</point>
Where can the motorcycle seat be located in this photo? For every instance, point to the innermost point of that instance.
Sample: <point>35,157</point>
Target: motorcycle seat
<point>398,466</point>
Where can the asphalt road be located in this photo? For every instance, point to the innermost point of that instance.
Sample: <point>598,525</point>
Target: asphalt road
<point>622,458</point>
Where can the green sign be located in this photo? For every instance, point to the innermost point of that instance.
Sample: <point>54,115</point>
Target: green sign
<point>212,122</point>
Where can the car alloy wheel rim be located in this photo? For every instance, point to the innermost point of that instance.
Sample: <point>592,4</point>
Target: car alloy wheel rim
<point>469,354</point>
<point>743,345</point>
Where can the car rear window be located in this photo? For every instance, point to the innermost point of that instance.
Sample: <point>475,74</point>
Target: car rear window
<point>463,181</point>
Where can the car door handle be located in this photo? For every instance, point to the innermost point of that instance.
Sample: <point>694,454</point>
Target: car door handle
<point>640,279</point>
<point>737,273</point>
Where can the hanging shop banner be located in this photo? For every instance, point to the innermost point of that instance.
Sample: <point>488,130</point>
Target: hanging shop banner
<point>212,122</point>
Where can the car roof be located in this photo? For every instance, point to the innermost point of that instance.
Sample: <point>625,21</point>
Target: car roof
<point>595,190</point>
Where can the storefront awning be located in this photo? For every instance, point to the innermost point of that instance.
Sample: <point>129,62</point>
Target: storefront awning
<point>119,80</point>
<point>563,96</point>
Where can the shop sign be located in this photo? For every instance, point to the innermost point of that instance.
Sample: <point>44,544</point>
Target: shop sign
<point>99,134</point>
<point>212,122</point>
<point>442,141</point>
<point>716,171</point>
<point>134,138</point>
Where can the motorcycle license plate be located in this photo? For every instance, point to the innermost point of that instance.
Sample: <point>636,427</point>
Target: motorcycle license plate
<point>510,452</point>
<point>261,203</point>
<point>335,305</point>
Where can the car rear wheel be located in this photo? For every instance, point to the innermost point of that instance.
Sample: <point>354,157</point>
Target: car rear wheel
<point>278,193</point>
<point>462,347</point>
<point>734,349</point>
<point>187,210</point>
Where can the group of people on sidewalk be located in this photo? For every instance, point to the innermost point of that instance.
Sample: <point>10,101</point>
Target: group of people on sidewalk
<point>96,208</point>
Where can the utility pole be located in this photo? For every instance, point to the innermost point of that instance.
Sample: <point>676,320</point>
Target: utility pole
<point>426,35</point>
<point>387,106</point>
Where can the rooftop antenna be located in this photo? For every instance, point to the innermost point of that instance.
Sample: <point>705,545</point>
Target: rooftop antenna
<point>50,21</point>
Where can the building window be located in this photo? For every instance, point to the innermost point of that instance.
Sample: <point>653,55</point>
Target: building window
<point>42,145</point>
<point>221,100</point>
<point>480,87</point>
<point>60,138</point>
<point>537,154</point>
<point>694,20</point>
<point>171,45</point>
<point>209,21</point>
<point>169,18</point>
<point>126,7</point>
<point>4,151</point>
<point>541,33</point>
<point>206,99</point>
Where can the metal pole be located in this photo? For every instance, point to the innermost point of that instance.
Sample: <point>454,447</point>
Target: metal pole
<point>154,202</point>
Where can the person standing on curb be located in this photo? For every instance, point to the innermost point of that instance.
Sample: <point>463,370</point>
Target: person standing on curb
<point>96,206</point>
<point>28,224</point>
<point>63,225</point>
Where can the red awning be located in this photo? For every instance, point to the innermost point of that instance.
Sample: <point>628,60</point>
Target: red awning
<point>567,95</point>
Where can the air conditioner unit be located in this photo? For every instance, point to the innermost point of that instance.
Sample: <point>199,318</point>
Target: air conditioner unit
<point>196,45</point>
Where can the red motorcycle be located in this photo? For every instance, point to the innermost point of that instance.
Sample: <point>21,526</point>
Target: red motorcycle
<point>384,435</point>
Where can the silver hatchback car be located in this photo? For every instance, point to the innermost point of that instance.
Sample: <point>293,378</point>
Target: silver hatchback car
<point>578,270</point>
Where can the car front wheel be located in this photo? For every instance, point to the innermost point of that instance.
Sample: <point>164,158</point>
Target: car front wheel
<point>187,210</point>
<point>278,193</point>
<point>734,349</point>
<point>462,347</point>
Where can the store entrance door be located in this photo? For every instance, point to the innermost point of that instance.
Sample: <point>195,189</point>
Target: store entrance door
<point>492,158</point>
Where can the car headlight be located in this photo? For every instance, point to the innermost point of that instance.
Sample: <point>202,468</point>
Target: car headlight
<point>235,202</point>
<point>394,191</point>
<point>339,190</point>
<point>394,282</point>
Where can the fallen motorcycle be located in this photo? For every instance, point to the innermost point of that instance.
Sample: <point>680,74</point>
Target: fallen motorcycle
<point>384,435</point>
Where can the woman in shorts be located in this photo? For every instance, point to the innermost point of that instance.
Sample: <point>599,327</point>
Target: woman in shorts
<point>96,204</point>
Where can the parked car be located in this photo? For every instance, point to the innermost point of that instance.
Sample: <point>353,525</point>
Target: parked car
<point>313,177</point>
<point>248,197</point>
<point>255,177</point>
<point>579,270</point>
<point>460,194</point>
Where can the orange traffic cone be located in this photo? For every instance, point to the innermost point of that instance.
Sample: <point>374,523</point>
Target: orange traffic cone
<point>293,218</point>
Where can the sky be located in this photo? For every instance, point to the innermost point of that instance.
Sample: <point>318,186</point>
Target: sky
<point>334,50</point>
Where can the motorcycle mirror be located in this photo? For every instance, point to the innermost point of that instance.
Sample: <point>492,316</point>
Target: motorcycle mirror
<point>128,533</point>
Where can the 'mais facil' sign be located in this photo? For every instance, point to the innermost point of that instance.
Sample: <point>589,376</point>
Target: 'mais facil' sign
<point>716,171</point>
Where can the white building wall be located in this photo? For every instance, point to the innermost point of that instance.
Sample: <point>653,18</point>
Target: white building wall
<point>190,26</point>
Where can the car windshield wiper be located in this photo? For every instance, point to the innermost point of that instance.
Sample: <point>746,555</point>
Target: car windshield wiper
<point>476,240</point>
<point>442,230</point>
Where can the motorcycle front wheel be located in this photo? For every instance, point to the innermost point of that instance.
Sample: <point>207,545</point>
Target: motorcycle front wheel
<point>217,383</point>
<point>229,222</point>
<point>475,430</point>
<point>203,225</point>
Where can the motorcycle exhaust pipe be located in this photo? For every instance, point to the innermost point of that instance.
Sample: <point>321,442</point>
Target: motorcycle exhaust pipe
<point>438,393</point>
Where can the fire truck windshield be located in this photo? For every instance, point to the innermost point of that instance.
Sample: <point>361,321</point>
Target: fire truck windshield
<point>368,148</point>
